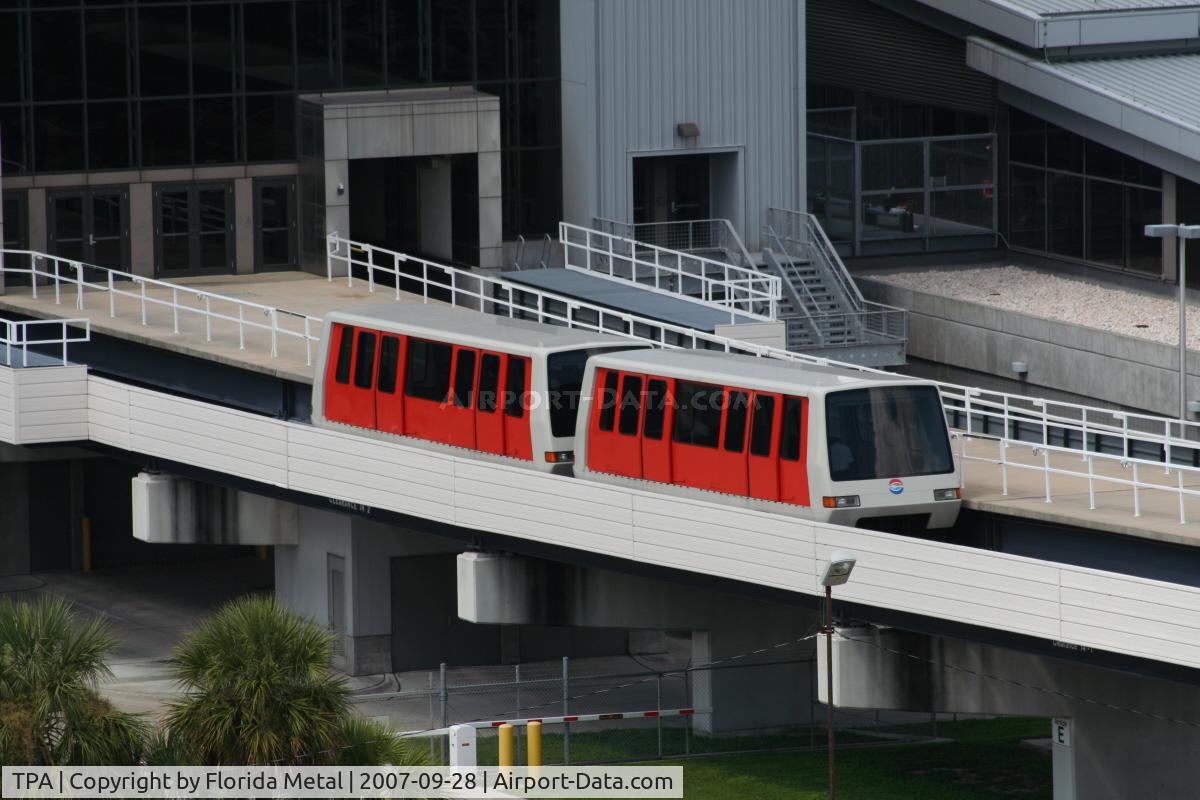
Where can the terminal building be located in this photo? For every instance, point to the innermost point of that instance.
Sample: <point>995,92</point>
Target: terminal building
<point>196,138</point>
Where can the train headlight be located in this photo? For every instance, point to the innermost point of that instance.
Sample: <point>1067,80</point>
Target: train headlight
<point>947,494</point>
<point>844,501</point>
<point>560,456</point>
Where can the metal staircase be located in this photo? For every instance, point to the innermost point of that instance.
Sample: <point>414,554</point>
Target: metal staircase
<point>824,309</point>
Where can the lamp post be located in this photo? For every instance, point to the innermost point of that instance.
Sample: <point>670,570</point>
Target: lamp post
<point>1182,233</point>
<point>837,572</point>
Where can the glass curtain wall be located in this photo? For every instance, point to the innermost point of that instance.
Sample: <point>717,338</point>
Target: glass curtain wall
<point>91,85</point>
<point>1073,198</point>
<point>887,175</point>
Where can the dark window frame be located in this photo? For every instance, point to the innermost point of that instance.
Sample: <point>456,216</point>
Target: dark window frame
<point>432,382</point>
<point>364,358</point>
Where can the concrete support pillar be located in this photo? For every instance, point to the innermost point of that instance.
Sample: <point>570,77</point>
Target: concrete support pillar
<point>243,213</point>
<point>141,229</point>
<point>743,697</point>
<point>339,573</point>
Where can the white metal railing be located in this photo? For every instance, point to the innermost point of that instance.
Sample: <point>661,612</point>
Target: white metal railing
<point>739,290</point>
<point>1133,442</point>
<point>65,276</point>
<point>688,235</point>
<point>20,334</point>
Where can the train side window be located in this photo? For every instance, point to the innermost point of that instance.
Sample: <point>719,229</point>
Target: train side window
<point>364,365</point>
<point>656,409</point>
<point>760,427</point>
<point>514,388</point>
<point>608,401</point>
<point>489,382</point>
<point>735,422</point>
<point>464,378</point>
<point>631,405</point>
<point>427,370</point>
<point>345,354</point>
<point>697,414</point>
<point>389,358</point>
<point>789,433</point>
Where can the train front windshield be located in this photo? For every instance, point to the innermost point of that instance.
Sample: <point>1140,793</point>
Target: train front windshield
<point>565,381</point>
<point>886,432</point>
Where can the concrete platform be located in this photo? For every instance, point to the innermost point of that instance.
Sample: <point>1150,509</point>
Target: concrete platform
<point>299,293</point>
<point>1114,511</point>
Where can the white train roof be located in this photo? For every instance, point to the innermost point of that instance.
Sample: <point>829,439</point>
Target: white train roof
<point>473,329</point>
<point>750,372</point>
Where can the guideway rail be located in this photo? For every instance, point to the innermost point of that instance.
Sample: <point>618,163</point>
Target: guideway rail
<point>65,276</point>
<point>1122,441</point>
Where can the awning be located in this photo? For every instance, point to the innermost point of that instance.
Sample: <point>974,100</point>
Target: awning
<point>1146,106</point>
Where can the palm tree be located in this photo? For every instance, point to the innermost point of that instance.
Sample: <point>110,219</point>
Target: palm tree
<point>259,688</point>
<point>50,711</point>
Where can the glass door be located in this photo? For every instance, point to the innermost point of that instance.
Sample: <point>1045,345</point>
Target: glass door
<point>92,226</point>
<point>275,224</point>
<point>106,235</point>
<point>193,229</point>
<point>16,228</point>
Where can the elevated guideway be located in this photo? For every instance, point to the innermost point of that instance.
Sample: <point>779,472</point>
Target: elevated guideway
<point>1038,600</point>
<point>506,506</point>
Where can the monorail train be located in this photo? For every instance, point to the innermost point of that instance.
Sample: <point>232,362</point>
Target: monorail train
<point>828,443</point>
<point>825,443</point>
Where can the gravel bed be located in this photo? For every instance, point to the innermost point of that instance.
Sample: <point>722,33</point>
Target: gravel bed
<point>1059,298</point>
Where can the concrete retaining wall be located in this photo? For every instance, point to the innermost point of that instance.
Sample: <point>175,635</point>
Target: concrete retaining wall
<point>1095,366</point>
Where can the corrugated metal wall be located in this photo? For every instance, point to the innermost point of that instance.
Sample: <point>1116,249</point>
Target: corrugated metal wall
<point>856,44</point>
<point>734,67</point>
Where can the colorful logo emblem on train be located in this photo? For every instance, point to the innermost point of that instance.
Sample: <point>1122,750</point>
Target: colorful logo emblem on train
<point>895,486</point>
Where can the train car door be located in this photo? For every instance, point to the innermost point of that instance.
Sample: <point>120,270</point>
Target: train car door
<point>389,397</point>
<point>763,459</point>
<point>696,436</point>
<point>605,453</point>
<point>518,440</point>
<point>351,362</point>
<point>426,387</point>
<point>339,394</point>
<point>459,413</point>
<point>656,430</point>
<point>793,451</point>
<point>733,442</point>
<point>354,401</point>
<point>489,424</point>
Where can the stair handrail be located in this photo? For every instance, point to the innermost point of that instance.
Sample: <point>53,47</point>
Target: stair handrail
<point>772,262</point>
<point>810,241</point>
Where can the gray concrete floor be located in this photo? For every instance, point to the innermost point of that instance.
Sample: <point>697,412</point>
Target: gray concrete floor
<point>148,609</point>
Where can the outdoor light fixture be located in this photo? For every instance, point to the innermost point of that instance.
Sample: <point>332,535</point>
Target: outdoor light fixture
<point>688,130</point>
<point>837,572</point>
<point>1182,233</point>
<point>1020,367</point>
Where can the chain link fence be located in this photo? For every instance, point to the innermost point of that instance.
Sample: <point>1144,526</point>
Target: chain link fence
<point>639,709</point>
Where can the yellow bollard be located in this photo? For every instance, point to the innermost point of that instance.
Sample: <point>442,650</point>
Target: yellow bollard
<point>534,743</point>
<point>506,745</point>
<point>87,544</point>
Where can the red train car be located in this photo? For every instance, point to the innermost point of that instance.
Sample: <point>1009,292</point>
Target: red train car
<point>831,444</point>
<point>503,387</point>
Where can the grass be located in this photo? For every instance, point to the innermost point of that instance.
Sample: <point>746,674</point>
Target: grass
<point>983,761</point>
